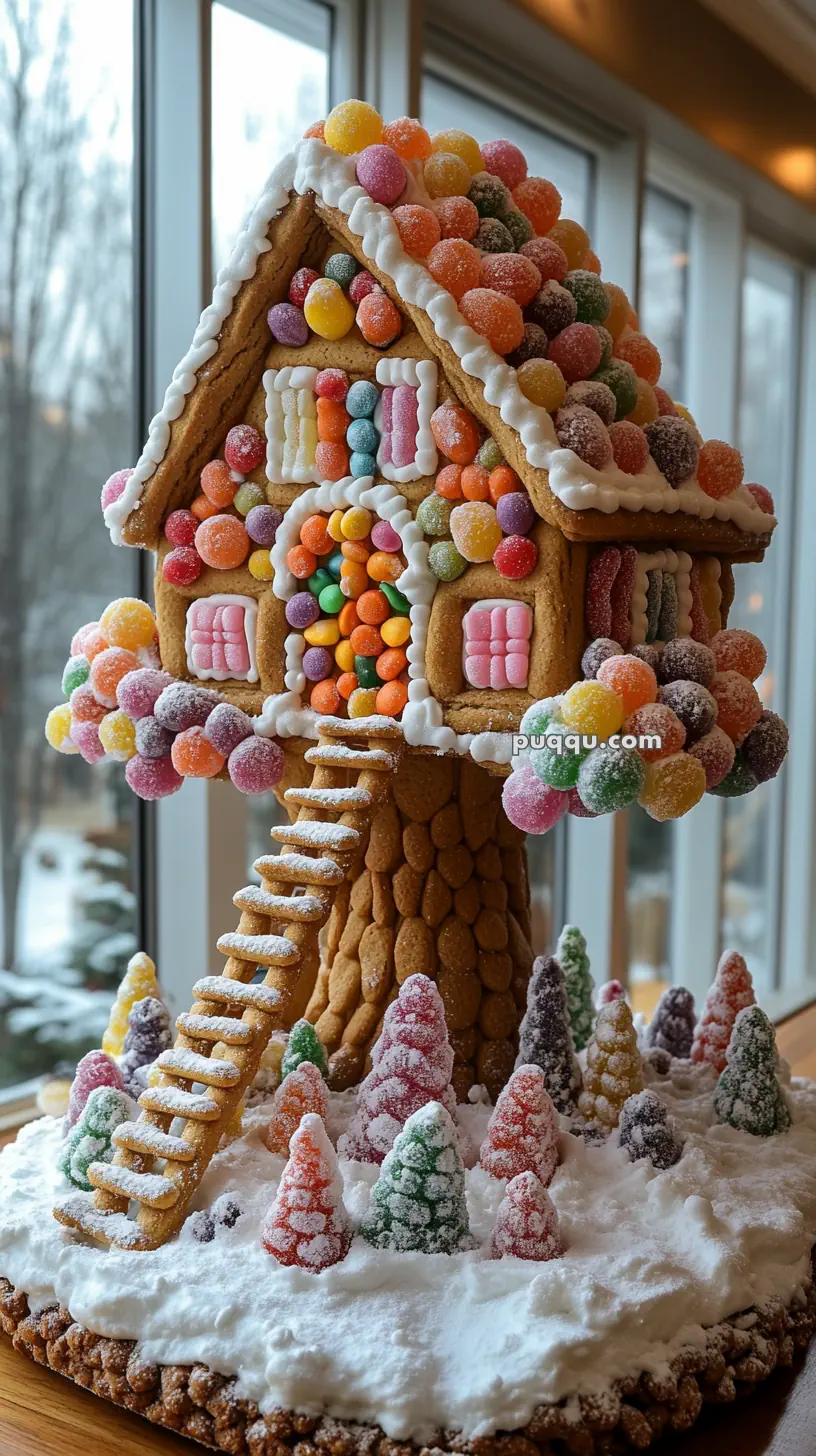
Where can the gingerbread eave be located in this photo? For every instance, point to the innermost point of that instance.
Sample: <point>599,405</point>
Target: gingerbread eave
<point>223,385</point>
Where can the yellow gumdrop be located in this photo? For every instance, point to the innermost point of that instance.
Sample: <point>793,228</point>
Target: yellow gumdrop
<point>446,175</point>
<point>324,633</point>
<point>117,734</point>
<point>334,527</point>
<point>356,523</point>
<point>541,381</point>
<point>138,981</point>
<point>618,316</point>
<point>646,408</point>
<point>396,631</point>
<point>58,729</point>
<point>327,310</point>
<point>460,144</point>
<point>260,565</point>
<point>475,530</point>
<point>672,786</point>
<point>52,1097</point>
<point>592,707</point>
<point>362,702</point>
<point>344,656</point>
<point>572,238</point>
<point>352,125</point>
<point>128,622</point>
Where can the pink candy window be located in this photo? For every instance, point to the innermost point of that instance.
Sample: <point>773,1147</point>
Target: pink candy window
<point>399,425</point>
<point>497,644</point>
<point>220,639</point>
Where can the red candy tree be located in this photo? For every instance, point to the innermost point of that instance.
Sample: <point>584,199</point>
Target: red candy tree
<point>307,1224</point>
<point>526,1224</point>
<point>731,992</point>
<point>522,1135</point>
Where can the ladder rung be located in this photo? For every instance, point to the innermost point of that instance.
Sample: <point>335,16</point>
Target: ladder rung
<point>201,1027</point>
<point>80,1212</point>
<point>212,1071</point>
<point>263,950</point>
<point>222,988</point>
<point>282,907</point>
<point>143,1137</point>
<point>338,801</point>
<point>299,869</point>
<point>314,834</point>
<point>178,1103</point>
<point>338,755</point>
<point>149,1188</point>
<point>375,726</point>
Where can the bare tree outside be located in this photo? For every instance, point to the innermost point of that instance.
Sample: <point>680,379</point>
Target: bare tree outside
<point>65,425</point>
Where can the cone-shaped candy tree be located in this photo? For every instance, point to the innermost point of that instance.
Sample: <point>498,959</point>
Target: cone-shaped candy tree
<point>545,1038</point>
<point>418,1201</point>
<point>614,1070</point>
<point>526,1224</point>
<point>522,1134</point>
<point>307,1224</point>
<point>732,990</point>
<point>748,1095</point>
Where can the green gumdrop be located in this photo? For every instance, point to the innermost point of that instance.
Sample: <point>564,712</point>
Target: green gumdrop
<point>247,496</point>
<point>304,1045</point>
<point>400,604</point>
<point>433,515</point>
<point>610,779</point>
<point>489,456</point>
<point>445,561</point>
<point>539,715</point>
<point>590,296</point>
<point>331,600</point>
<point>622,380</point>
<point>519,227</point>
<point>739,780</point>
<point>558,770</point>
<point>77,671</point>
<point>366,670</point>
<point>489,195</point>
<point>607,344</point>
<point>342,268</point>
<point>334,563</point>
<point>319,581</point>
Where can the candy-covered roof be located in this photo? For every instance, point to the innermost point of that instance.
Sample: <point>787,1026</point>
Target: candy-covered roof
<point>594,478</point>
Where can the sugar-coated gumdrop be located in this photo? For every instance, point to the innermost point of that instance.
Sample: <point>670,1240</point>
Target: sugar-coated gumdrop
<point>592,707</point>
<point>716,753</point>
<point>763,498</point>
<point>534,345</point>
<point>288,325</point>
<point>736,650</point>
<point>58,729</point>
<point>554,309</point>
<point>738,704</point>
<point>95,1069</point>
<point>489,195</point>
<point>558,764</point>
<point>433,515</point>
<point>619,306</point>
<point>475,530</point>
<point>342,267</point>
<point>201,507</point>
<point>152,778</point>
<point>409,139</point>
<point>632,680</point>
<point>686,659</point>
<point>674,447</point>
<point>307,1225</point>
<point>332,384</point>
<point>598,652</point>
<point>351,126</point>
<point>328,312</point>
<point>593,395</point>
<point>719,468</point>
<point>194,756</point>
<point>255,765</point>
<point>299,285</point>
<point>117,735</point>
<point>493,236</point>
<point>222,542</point>
<point>630,448</point>
<point>539,715</point>
<point>549,259</point>
<point>379,320</point>
<point>182,566</point>
<point>418,228</point>
<point>645,1129</point>
<point>262,524</point>
<point>137,691</point>
<point>672,786</point>
<point>455,432</point>
<point>579,429</point>
<point>738,781</point>
<point>515,557</point>
<point>610,779</point>
<point>620,377</point>
<point>454,142</point>
<point>381,173</point>
<point>106,672</point>
<point>84,706</point>
<point>641,353</point>
<point>576,350</point>
<point>590,296</point>
<point>302,1090</point>
<point>506,161</point>
<point>574,240</point>
<point>80,637</point>
<point>247,497</point>
<point>75,673</point>
<point>541,381</point>
<point>85,736</point>
<point>114,487</point>
<point>651,652</point>
<point>457,218</point>
<point>244,448</point>
<point>694,706</point>
<point>656,721</point>
<point>515,512</point>
<point>445,561</point>
<point>180,528</point>
<point>361,285</point>
<point>152,740</point>
<point>645,408</point>
<point>128,623</point>
<point>495,316</point>
<point>731,991</point>
<point>446,175</point>
<point>418,1202</point>
<point>606,344</point>
<point>511,274</point>
<point>183,705</point>
<point>531,805</point>
<point>540,201</point>
<point>522,1134</point>
<point>765,748</point>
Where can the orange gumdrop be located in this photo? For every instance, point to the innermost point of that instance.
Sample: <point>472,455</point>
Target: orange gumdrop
<point>333,420</point>
<point>373,607</point>
<point>455,265</point>
<point>366,642</point>
<point>202,508</point>
<point>94,643</point>
<point>317,129</point>
<point>503,481</point>
<point>633,680</point>
<point>332,460</point>
<point>382,566</point>
<point>324,697</point>
<point>409,139</point>
<point>353,579</point>
<point>449,482</point>
<point>592,262</point>
<point>315,536</point>
<point>84,707</point>
<point>346,684</point>
<point>355,550</point>
<point>301,562</point>
<point>391,663</point>
<point>540,201</point>
<point>457,216</point>
<point>641,353</point>
<point>475,482</point>
<point>107,670</point>
<point>391,699</point>
<point>495,316</point>
<point>418,228</point>
<point>222,542</point>
<point>348,618</point>
<point>194,756</point>
<point>455,432</point>
<point>379,320</point>
<point>217,483</point>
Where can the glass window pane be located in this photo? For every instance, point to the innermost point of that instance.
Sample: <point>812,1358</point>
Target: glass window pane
<point>568,166</point>
<point>665,245</point>
<point>67,831</point>
<point>283,66</point>
<point>767,418</point>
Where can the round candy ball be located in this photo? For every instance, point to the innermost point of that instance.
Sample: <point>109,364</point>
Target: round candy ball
<point>342,267</point>
<point>475,529</point>
<point>362,399</point>
<point>554,309</point>
<point>352,125</point>
<point>672,786</point>
<point>580,430</point>
<point>683,658</point>
<point>256,765</point>
<point>592,707</point>
<point>262,524</point>
<point>674,447</point>
<point>557,766</point>
<point>317,663</point>
<point>515,513</point>
<point>740,780</point>
<point>530,805</point>
<point>152,778</point>
<point>128,623</point>
<point>138,691</point>
<point>632,680</point>
<point>694,706</point>
<point>152,740</point>
<point>765,748</point>
<point>226,727</point>
<point>244,448</point>
<point>597,652</point>
<point>302,610</point>
<point>540,715</point>
<point>590,296</point>
<point>381,173</point>
<point>716,753</point>
<point>180,528</point>
<point>576,351</point>
<point>288,325</point>
<point>222,542</point>
<point>515,557</point>
<point>620,377</point>
<point>182,566</point>
<point>445,561</point>
<point>738,704</point>
<point>182,705</point>
<point>610,779</point>
<point>593,394</point>
<point>114,487</point>
<point>657,724</point>
<point>735,650</point>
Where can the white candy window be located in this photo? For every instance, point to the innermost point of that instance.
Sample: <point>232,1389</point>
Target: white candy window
<point>406,450</point>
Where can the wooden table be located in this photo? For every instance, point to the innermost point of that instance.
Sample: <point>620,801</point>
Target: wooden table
<point>43,1415</point>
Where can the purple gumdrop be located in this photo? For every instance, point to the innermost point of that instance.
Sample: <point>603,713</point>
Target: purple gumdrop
<point>317,663</point>
<point>152,778</point>
<point>152,740</point>
<point>302,610</point>
<point>226,727</point>
<point>86,737</point>
<point>262,524</point>
<point>138,690</point>
<point>183,705</point>
<point>381,173</point>
<point>255,765</point>
<point>114,486</point>
<point>385,538</point>
<point>96,1069</point>
<point>288,324</point>
<point>515,513</point>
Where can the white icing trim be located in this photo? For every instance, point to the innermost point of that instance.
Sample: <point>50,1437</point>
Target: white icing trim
<point>678,564</point>
<point>422,375</point>
<point>313,166</point>
<point>226,599</point>
<point>290,391</point>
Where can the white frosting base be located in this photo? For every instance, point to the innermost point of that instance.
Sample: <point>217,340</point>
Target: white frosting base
<point>414,1342</point>
<point>313,166</point>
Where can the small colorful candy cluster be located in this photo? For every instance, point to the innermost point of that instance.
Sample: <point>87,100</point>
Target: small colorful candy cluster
<point>163,730</point>
<point>355,620</point>
<point>330,305</point>
<point>229,522</point>
<point>479,503</point>
<point>347,438</point>
<point>698,702</point>
<point>527,280</point>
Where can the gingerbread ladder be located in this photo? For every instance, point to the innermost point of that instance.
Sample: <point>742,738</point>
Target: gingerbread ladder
<point>221,1039</point>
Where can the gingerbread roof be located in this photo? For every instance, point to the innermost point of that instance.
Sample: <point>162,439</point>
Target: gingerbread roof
<point>315,188</point>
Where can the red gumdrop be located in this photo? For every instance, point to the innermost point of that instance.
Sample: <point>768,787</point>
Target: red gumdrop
<point>333,383</point>
<point>307,1225</point>
<point>359,288</point>
<point>763,498</point>
<point>716,753</point>
<point>180,528</point>
<point>152,778</point>
<point>630,448</point>
<point>95,1069</point>
<point>601,574</point>
<point>577,807</point>
<point>526,1224</point>
<point>522,1134</point>
<point>244,448</point>
<point>736,650</point>
<point>550,260</point>
<point>577,351</point>
<point>299,285</point>
<point>512,275</point>
<point>182,566</point>
<point>506,161</point>
<point>738,704</point>
<point>515,557</point>
<point>256,765</point>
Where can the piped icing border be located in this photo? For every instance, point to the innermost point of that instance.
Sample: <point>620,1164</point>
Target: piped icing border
<point>313,166</point>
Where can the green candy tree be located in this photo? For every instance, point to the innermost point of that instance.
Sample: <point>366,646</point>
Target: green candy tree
<point>571,954</point>
<point>749,1096</point>
<point>91,1140</point>
<point>304,1045</point>
<point>418,1202</point>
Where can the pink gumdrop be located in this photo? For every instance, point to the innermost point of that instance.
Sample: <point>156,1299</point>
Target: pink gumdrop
<point>96,1069</point>
<point>763,498</point>
<point>530,805</point>
<point>86,737</point>
<point>516,665</point>
<point>256,765</point>
<point>385,538</point>
<point>138,691</point>
<point>152,778</point>
<point>381,173</point>
<point>114,486</point>
<point>477,670</point>
<point>78,639</point>
<point>504,160</point>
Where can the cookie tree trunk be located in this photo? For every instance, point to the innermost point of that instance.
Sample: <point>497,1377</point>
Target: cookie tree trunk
<point>442,889</point>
